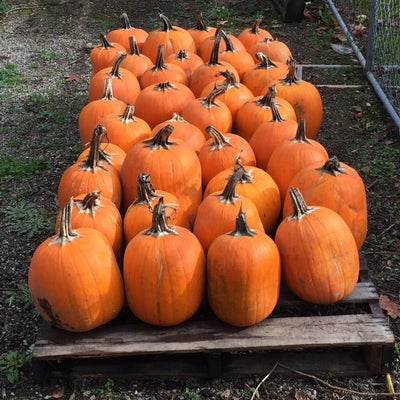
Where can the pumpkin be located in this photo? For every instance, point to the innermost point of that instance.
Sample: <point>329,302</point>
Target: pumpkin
<point>234,95</point>
<point>338,186</point>
<point>207,72</point>
<point>216,213</point>
<point>74,279</point>
<point>135,61</point>
<point>164,272</point>
<point>91,210</point>
<point>123,34</point>
<point>220,151</point>
<point>173,165</point>
<point>189,62</point>
<point>172,37</point>
<point>292,155</point>
<point>275,49</point>
<point>239,58</point>
<point>183,130</point>
<point>319,255</point>
<point>92,112</point>
<point>264,74</point>
<point>162,71</point>
<point>126,129</point>
<point>125,85</point>
<point>252,35</point>
<point>138,216</point>
<point>156,103</point>
<point>304,97</point>
<point>89,175</point>
<point>257,110</point>
<point>104,54</point>
<point>201,31</point>
<point>270,133</point>
<point>109,154</point>
<point>205,111</point>
<point>243,275</point>
<point>256,185</point>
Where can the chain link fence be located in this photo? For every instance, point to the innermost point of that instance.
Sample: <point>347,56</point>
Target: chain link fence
<point>372,28</point>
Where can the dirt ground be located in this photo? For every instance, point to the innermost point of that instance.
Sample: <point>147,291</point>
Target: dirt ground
<point>48,42</point>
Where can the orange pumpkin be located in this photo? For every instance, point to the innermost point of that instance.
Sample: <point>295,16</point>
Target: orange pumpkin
<point>320,261</point>
<point>138,216</point>
<point>243,275</point>
<point>171,36</point>
<point>89,175</point>
<point>74,278</point>
<point>216,213</point>
<point>123,34</point>
<point>335,185</point>
<point>252,35</point>
<point>189,62</point>
<point>201,31</point>
<point>275,49</point>
<point>164,272</point>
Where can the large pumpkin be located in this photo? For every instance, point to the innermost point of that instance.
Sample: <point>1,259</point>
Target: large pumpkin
<point>319,254</point>
<point>74,278</point>
<point>243,275</point>
<point>164,272</point>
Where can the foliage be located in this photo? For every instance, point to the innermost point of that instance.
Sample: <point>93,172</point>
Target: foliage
<point>9,75</point>
<point>13,362</point>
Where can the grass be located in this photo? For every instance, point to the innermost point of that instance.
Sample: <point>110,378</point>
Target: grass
<point>20,168</point>
<point>9,76</point>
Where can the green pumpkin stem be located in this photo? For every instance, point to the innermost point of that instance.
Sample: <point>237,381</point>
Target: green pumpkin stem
<point>160,139</point>
<point>218,139</point>
<point>242,229</point>
<point>159,224</point>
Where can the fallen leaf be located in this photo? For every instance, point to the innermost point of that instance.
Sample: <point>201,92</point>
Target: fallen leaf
<point>300,396</point>
<point>392,308</point>
<point>73,78</point>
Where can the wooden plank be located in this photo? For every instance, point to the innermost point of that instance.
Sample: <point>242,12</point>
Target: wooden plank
<point>204,336</point>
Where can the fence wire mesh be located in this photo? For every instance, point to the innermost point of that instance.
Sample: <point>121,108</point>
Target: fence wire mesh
<point>373,29</point>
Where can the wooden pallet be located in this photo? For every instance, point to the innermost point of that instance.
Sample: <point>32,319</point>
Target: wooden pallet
<point>351,338</point>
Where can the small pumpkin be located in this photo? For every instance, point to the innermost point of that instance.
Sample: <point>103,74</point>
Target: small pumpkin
<point>254,34</point>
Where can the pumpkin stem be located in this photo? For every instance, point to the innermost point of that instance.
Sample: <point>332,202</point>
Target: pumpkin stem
<point>90,202</point>
<point>160,139</point>
<point>125,21</point>
<point>230,79</point>
<point>255,28</point>
<point>229,193</point>
<point>145,190</point>
<point>128,115</point>
<point>177,118</point>
<point>93,160</point>
<point>276,115</point>
<point>265,61</point>
<point>159,225</point>
<point>215,49</point>
<point>265,101</point>
<point>160,63</point>
<point>133,46</point>
<point>167,26</point>
<point>301,132</point>
<point>218,139</point>
<point>242,229</point>
<point>115,73</point>
<point>182,55</point>
<point>247,176</point>
<point>332,167</point>
<point>291,77</point>
<point>209,100</point>
<point>108,90</point>
<point>300,208</point>
<point>105,43</point>
<point>200,23</point>
<point>164,86</point>
<point>65,233</point>
<point>228,41</point>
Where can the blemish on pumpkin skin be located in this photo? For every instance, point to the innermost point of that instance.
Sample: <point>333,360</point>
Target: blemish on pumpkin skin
<point>47,309</point>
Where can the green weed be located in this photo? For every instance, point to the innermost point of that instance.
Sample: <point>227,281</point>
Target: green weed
<point>9,76</point>
<point>13,362</point>
<point>21,295</point>
<point>12,167</point>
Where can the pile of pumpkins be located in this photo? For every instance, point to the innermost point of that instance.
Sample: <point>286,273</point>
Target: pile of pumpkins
<point>201,181</point>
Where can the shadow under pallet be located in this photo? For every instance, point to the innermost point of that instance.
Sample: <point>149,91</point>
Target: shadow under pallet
<point>349,338</point>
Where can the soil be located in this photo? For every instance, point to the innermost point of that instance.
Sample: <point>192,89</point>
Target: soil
<point>49,43</point>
